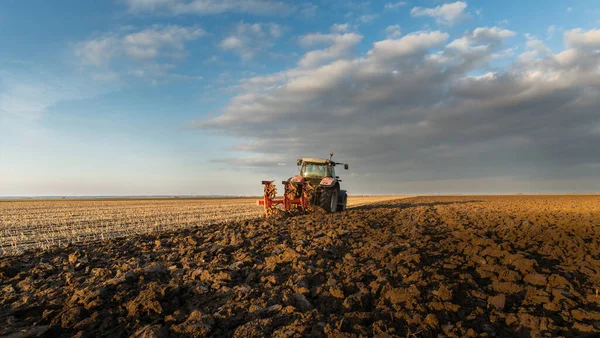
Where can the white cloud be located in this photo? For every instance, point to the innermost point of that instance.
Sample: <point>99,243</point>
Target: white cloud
<point>504,53</point>
<point>412,106</point>
<point>578,38</point>
<point>411,44</point>
<point>535,48</point>
<point>149,43</point>
<point>307,10</point>
<point>161,73</point>
<point>447,14</point>
<point>144,46</point>
<point>313,39</point>
<point>147,53</point>
<point>248,40</point>
<point>481,38</point>
<point>550,32</point>
<point>395,5</point>
<point>538,46</point>
<point>366,18</point>
<point>569,9</point>
<point>97,52</point>
<point>393,32</point>
<point>340,45</point>
<point>212,7</point>
<point>340,28</point>
<point>232,42</point>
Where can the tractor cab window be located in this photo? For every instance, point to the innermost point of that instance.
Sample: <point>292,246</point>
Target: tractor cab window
<point>313,170</point>
<point>331,171</point>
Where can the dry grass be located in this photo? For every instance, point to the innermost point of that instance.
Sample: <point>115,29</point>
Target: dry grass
<point>26,224</point>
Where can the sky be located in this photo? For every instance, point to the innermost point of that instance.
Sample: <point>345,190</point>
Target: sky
<point>207,97</point>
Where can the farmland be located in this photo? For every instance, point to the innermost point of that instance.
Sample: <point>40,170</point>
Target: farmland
<point>463,266</point>
<point>26,224</point>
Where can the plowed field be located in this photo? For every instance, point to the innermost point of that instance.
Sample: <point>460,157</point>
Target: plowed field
<point>463,266</point>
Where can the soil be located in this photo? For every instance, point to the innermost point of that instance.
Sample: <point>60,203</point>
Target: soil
<point>466,266</point>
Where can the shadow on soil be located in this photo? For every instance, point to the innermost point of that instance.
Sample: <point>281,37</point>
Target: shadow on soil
<point>404,205</point>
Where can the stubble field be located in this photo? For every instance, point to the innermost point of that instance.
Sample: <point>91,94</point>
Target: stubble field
<point>27,224</point>
<point>466,266</point>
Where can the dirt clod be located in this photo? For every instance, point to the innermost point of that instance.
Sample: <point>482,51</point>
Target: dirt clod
<point>500,266</point>
<point>497,302</point>
<point>535,279</point>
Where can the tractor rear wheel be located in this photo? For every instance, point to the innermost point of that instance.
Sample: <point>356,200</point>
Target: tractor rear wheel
<point>329,199</point>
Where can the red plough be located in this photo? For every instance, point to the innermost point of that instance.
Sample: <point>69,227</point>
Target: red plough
<point>296,196</point>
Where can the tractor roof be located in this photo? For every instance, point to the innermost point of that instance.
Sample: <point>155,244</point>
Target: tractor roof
<point>314,160</point>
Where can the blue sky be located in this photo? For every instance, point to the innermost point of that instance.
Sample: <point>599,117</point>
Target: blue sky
<point>150,97</point>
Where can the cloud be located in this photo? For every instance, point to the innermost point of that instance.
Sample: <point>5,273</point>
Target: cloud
<point>395,5</point>
<point>248,40</point>
<point>254,161</point>
<point>340,28</point>
<point>308,10</point>
<point>410,45</point>
<point>479,46</point>
<point>393,32</point>
<point>161,72</point>
<point>366,18</point>
<point>147,44</point>
<point>535,48</point>
<point>550,32</point>
<point>28,94</point>
<point>97,52</point>
<point>212,7</point>
<point>482,38</point>
<point>146,47</point>
<point>419,109</point>
<point>106,77</point>
<point>578,38</point>
<point>340,45</point>
<point>508,52</point>
<point>447,14</point>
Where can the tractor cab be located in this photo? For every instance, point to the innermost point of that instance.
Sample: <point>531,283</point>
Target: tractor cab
<point>316,168</point>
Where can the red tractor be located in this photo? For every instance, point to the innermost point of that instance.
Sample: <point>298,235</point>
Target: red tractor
<point>317,184</point>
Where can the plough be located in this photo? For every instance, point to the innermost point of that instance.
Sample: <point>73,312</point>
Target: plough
<point>296,196</point>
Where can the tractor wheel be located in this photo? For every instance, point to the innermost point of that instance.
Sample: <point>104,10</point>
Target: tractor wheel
<point>342,207</point>
<point>329,199</point>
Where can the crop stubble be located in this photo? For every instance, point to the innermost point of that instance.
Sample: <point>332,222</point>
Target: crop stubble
<point>427,266</point>
<point>27,224</point>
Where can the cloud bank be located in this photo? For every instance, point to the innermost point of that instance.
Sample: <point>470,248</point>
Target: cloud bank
<point>423,107</point>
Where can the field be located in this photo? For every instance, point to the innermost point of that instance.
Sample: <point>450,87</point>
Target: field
<point>463,266</point>
<point>27,224</point>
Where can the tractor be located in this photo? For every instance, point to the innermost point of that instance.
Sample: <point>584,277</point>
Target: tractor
<point>316,184</point>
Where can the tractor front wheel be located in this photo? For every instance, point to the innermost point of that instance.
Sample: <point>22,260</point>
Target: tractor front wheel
<point>329,199</point>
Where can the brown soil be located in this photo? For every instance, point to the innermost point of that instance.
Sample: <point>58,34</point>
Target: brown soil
<point>452,266</point>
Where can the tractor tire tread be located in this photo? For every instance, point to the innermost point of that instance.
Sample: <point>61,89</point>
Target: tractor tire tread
<point>325,199</point>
